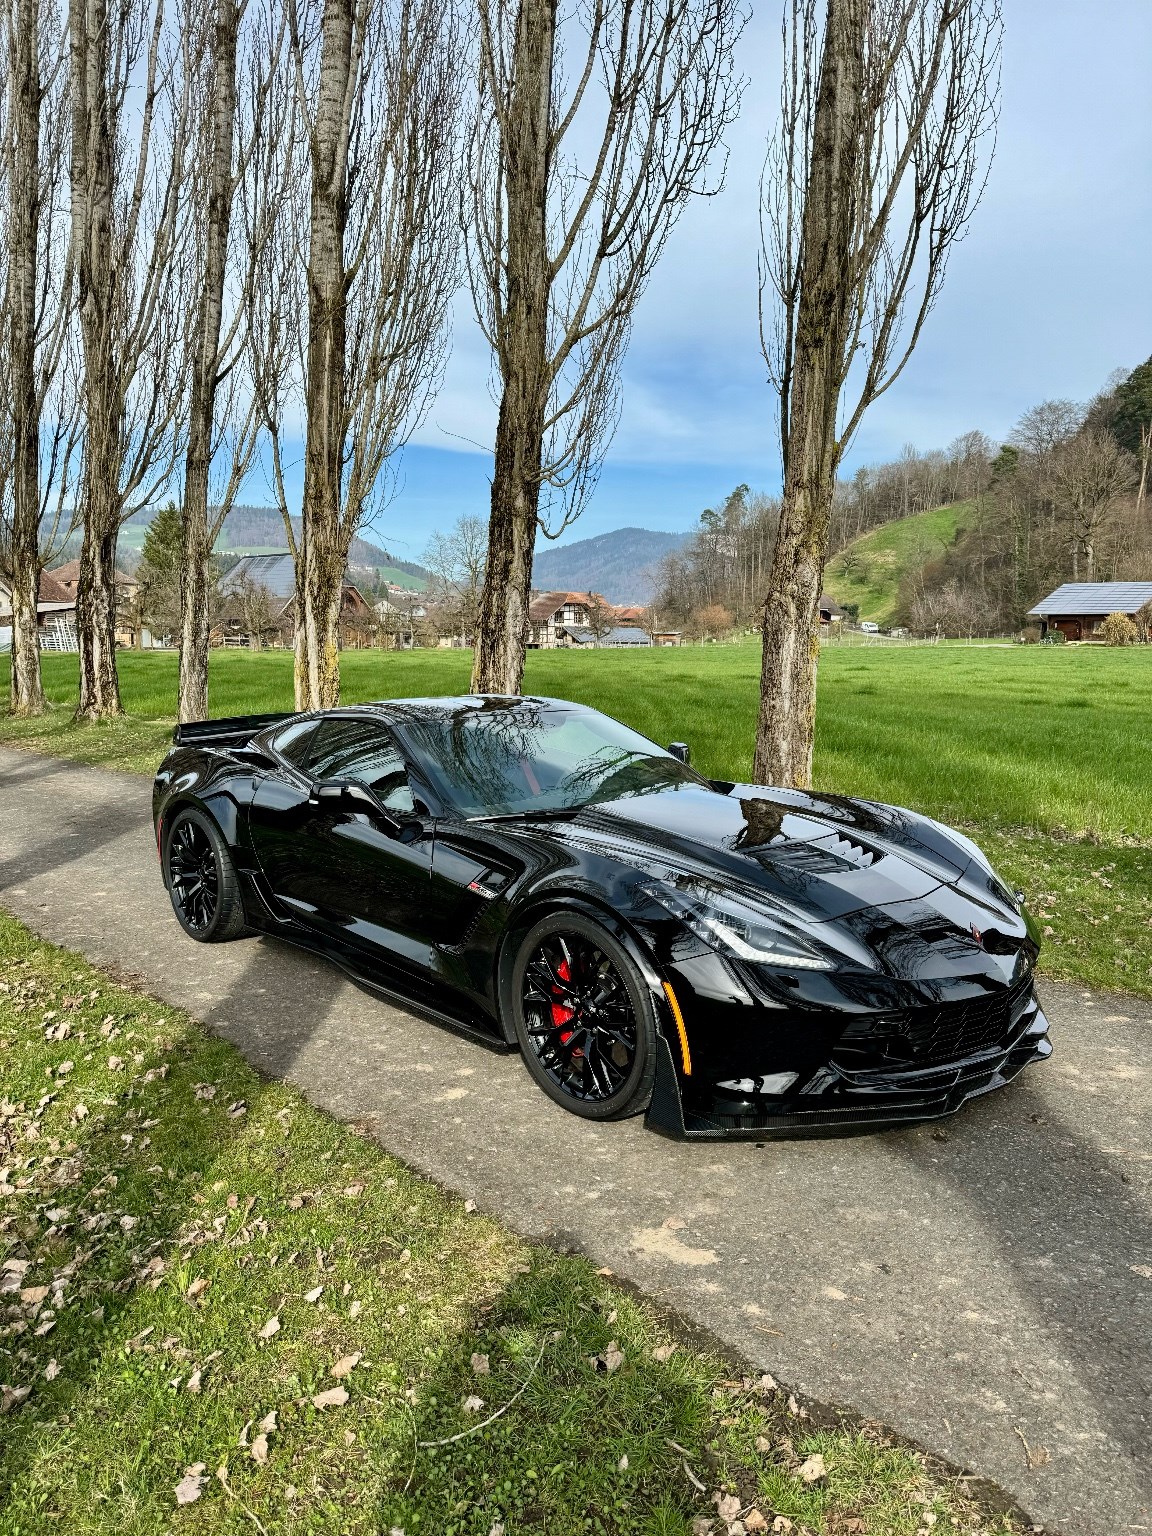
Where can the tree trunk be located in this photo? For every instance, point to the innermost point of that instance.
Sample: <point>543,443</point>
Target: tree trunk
<point>317,653</point>
<point>319,582</point>
<point>196,575</point>
<point>27,690</point>
<point>96,624</point>
<point>787,716</point>
<point>91,187</point>
<point>498,666</point>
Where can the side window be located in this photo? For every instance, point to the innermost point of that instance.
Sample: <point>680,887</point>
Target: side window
<point>362,752</point>
<point>293,741</point>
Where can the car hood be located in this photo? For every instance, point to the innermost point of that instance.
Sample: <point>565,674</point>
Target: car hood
<point>881,876</point>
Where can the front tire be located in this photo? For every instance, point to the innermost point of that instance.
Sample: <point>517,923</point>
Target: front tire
<point>202,880</point>
<point>584,1018</point>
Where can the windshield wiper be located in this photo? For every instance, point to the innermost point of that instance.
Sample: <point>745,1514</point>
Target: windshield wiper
<point>542,813</point>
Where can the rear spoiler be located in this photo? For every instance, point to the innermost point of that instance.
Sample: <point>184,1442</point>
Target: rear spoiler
<point>234,732</point>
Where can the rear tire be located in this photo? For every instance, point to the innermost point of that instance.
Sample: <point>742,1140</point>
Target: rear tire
<point>584,1018</point>
<point>201,879</point>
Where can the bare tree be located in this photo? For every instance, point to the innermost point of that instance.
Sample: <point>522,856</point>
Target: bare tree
<point>38,415</point>
<point>223,416</point>
<point>1087,476</point>
<point>560,247</point>
<point>878,162</point>
<point>374,127</point>
<point>456,561</point>
<point>601,615</point>
<point>130,94</point>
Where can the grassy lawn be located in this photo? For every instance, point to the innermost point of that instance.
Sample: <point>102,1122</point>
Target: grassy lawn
<point>1044,754</point>
<point>208,1286</point>
<point>868,572</point>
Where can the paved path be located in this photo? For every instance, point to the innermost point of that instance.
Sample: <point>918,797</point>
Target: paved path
<point>976,1287</point>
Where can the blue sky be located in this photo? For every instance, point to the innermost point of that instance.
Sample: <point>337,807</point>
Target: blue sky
<point>1047,295</point>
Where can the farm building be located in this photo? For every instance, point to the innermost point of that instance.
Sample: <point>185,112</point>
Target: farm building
<point>558,619</point>
<point>55,615</point>
<point>1079,608</point>
<point>258,603</point>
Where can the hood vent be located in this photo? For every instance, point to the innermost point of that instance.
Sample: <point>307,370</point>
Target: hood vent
<point>855,853</point>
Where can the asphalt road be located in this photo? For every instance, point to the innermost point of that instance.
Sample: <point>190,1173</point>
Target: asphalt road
<point>982,1288</point>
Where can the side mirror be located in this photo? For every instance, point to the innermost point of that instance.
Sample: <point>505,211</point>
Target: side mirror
<point>680,750</point>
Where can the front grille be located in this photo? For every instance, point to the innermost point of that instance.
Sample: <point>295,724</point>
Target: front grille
<point>921,1037</point>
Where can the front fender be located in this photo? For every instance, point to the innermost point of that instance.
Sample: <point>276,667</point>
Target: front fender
<point>665,1111</point>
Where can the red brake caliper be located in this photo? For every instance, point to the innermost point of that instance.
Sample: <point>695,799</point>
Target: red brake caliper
<point>561,1014</point>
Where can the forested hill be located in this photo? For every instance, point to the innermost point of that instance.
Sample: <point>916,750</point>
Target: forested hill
<point>620,565</point>
<point>254,530</point>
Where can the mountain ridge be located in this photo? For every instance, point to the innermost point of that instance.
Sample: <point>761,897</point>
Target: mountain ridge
<point>619,564</point>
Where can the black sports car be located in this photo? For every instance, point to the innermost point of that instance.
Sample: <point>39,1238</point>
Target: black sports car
<point>736,960</point>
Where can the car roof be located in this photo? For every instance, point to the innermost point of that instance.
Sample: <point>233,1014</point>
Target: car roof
<point>453,704</point>
<point>475,703</point>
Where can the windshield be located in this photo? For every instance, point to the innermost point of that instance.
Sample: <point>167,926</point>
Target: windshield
<point>537,758</point>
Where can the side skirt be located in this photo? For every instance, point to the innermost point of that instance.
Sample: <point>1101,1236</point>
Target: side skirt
<point>393,990</point>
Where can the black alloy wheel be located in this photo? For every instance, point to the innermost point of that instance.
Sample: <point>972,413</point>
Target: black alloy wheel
<point>202,880</point>
<point>584,1018</point>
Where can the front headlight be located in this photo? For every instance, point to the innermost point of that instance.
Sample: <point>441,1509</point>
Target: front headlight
<point>741,929</point>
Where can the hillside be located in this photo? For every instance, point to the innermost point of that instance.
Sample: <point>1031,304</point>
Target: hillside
<point>259,531</point>
<point>869,571</point>
<point>618,564</point>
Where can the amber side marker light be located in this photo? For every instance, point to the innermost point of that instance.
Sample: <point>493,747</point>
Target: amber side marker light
<point>685,1053</point>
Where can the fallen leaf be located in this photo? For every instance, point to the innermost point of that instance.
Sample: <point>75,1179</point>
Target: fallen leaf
<point>352,1190</point>
<point>189,1487</point>
<point>314,1295</point>
<point>1143,1270</point>
<point>33,1295</point>
<point>349,1437</point>
<point>701,1525</point>
<point>258,1450</point>
<point>833,1294</point>
<point>355,1309</point>
<point>812,1470</point>
<point>334,1397</point>
<point>469,1206</point>
<point>198,1285</point>
<point>268,1423</point>
<point>763,1445</point>
<point>270,1327</point>
<point>727,1506</point>
<point>663,1351</point>
<point>480,1365</point>
<point>473,1404</point>
<point>622,1464</point>
<point>239,1108</point>
<point>193,1383</point>
<point>345,1365</point>
<point>51,1370</point>
<point>613,1357</point>
<point>782,1523</point>
<point>755,1521</point>
<point>12,1397</point>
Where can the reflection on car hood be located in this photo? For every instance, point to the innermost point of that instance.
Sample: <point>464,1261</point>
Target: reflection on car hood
<point>894,880</point>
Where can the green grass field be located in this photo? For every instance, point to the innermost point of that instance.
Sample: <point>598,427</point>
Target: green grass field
<point>870,569</point>
<point>1044,754</point>
<point>226,1312</point>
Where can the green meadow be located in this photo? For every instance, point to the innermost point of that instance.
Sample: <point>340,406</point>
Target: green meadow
<point>1043,754</point>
